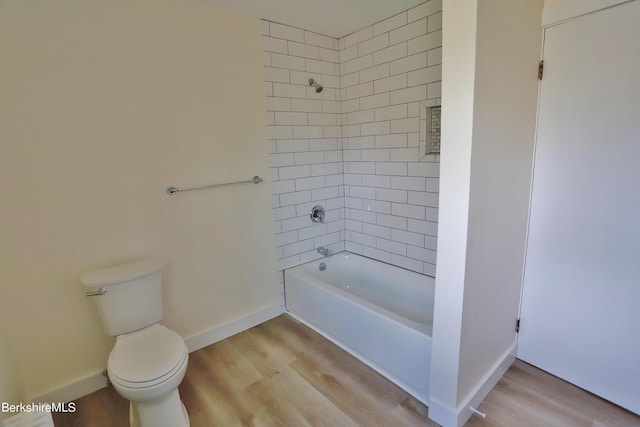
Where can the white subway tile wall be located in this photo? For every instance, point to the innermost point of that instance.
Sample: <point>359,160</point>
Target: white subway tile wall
<point>305,141</point>
<point>354,147</point>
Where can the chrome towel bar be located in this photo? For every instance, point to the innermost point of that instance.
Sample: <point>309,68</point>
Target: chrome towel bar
<point>172,190</point>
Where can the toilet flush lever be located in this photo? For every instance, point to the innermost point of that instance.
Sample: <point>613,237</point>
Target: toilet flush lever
<point>100,291</point>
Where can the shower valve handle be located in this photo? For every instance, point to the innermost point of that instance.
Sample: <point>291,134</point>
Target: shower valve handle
<point>317,214</point>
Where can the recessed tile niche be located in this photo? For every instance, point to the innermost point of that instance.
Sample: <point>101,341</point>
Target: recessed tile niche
<point>429,129</point>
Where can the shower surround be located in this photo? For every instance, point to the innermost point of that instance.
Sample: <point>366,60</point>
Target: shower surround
<point>354,147</point>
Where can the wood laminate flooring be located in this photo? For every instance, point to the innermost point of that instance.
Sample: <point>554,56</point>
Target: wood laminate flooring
<point>282,373</point>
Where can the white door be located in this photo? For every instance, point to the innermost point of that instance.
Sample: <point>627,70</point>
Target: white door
<point>580,315</point>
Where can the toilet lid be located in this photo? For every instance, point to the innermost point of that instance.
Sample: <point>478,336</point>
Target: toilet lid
<point>146,355</point>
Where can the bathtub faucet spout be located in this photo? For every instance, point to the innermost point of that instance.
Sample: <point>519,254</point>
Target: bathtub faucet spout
<point>323,251</point>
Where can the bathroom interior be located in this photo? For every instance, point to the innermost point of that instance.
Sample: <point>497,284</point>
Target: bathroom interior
<point>251,151</point>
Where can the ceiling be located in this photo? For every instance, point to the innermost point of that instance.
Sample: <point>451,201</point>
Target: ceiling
<point>336,18</point>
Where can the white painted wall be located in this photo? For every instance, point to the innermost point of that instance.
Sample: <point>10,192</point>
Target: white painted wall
<point>104,104</point>
<point>490,100</point>
<point>11,390</point>
<point>458,67</point>
<point>507,53</point>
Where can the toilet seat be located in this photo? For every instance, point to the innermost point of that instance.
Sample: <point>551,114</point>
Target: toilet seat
<point>147,357</point>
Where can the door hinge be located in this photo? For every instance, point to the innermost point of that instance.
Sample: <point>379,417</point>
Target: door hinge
<point>517,326</point>
<point>540,70</point>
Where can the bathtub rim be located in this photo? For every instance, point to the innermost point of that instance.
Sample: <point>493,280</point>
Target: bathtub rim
<point>345,251</point>
<point>422,328</point>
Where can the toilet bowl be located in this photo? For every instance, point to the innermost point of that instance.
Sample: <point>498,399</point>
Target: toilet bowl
<point>146,368</point>
<point>148,361</point>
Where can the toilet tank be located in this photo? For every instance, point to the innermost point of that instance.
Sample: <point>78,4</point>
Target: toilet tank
<point>132,297</point>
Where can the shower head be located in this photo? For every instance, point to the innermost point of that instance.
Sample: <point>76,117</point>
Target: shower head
<point>316,85</point>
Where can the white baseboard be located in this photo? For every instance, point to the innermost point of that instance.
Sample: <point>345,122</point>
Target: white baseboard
<point>449,417</point>
<point>220,332</point>
<point>73,390</point>
<point>442,414</point>
<point>487,384</point>
<point>93,382</point>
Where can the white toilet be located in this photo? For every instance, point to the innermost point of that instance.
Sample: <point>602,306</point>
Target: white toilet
<point>148,361</point>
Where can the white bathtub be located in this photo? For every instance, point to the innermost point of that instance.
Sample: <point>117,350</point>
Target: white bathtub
<point>381,314</point>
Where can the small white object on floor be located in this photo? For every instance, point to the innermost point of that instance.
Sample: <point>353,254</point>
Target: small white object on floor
<point>475,411</point>
<point>29,419</point>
